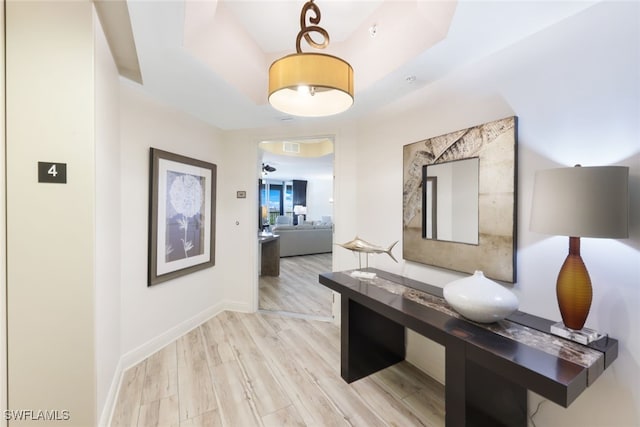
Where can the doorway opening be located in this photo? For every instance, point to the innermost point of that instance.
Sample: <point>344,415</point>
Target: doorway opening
<point>295,220</point>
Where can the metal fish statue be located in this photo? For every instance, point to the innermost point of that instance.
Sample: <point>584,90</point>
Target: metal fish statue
<point>359,245</point>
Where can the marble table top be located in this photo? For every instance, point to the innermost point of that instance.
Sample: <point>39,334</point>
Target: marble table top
<point>550,344</point>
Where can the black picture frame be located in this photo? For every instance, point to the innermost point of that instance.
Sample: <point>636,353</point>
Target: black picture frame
<point>182,216</point>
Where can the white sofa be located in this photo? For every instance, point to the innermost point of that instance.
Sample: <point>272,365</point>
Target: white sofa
<point>305,239</point>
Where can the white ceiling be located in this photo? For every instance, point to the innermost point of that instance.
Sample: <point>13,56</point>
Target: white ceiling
<point>339,18</point>
<point>211,58</point>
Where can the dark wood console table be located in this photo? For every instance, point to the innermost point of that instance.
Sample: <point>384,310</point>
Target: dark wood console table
<point>489,367</point>
<point>269,255</point>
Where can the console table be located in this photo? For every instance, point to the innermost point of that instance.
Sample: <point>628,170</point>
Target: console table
<point>489,367</point>
<point>269,255</point>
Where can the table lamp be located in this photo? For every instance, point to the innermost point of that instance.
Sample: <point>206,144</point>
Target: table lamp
<point>300,211</point>
<point>579,202</point>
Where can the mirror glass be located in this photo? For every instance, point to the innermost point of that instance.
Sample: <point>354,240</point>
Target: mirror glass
<point>450,211</point>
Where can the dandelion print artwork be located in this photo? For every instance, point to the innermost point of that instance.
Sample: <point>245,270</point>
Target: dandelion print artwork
<point>182,214</point>
<point>185,196</point>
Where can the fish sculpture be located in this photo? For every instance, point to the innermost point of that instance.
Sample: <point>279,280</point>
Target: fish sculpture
<point>359,245</point>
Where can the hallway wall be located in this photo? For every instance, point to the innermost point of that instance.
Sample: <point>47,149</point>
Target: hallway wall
<point>576,92</point>
<point>107,217</point>
<point>51,227</point>
<point>3,230</point>
<point>151,313</point>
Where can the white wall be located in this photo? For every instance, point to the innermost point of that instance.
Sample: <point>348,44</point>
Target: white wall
<point>50,227</point>
<point>3,235</point>
<point>153,316</point>
<point>107,235</point>
<point>238,222</point>
<point>319,194</point>
<point>575,89</point>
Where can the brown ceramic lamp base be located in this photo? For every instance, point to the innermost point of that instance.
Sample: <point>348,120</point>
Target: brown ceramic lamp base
<point>573,288</point>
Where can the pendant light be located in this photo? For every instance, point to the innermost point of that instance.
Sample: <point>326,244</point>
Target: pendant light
<point>311,84</point>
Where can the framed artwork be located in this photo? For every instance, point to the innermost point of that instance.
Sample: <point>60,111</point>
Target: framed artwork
<point>466,219</point>
<point>182,213</point>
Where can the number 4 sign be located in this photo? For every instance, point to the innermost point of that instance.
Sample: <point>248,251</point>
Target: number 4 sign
<point>52,172</point>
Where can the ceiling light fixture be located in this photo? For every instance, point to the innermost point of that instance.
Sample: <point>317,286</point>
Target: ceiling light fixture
<point>311,84</point>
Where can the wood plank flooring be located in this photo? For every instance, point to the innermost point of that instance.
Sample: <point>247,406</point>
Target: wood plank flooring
<point>297,290</point>
<point>242,369</point>
<point>265,369</point>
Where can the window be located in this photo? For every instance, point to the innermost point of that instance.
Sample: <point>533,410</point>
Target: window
<point>276,198</point>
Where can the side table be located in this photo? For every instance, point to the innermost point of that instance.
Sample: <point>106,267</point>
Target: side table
<point>269,255</point>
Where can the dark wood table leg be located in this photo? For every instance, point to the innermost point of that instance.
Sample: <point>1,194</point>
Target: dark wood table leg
<point>369,341</point>
<point>455,383</point>
<point>493,400</point>
<point>476,396</point>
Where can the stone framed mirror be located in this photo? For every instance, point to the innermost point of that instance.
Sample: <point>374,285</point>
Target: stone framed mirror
<point>459,200</point>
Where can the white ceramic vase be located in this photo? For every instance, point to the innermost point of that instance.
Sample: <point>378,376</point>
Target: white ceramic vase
<point>480,299</point>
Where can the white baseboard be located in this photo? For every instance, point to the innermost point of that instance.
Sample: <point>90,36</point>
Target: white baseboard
<point>140,353</point>
<point>112,395</point>
<point>241,307</point>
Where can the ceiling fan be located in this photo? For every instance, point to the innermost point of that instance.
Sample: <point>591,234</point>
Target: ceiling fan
<point>267,168</point>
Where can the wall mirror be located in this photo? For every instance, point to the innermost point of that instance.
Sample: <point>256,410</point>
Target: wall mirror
<point>450,201</point>
<point>459,200</point>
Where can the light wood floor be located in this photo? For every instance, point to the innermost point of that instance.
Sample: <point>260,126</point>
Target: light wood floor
<point>264,369</point>
<point>297,289</point>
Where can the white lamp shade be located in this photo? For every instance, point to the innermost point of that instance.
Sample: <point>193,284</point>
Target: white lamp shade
<point>581,202</point>
<point>300,210</point>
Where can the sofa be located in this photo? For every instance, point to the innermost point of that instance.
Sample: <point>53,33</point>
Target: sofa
<point>304,239</point>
